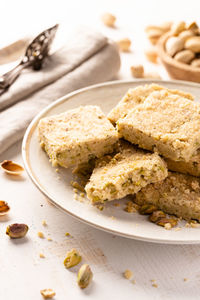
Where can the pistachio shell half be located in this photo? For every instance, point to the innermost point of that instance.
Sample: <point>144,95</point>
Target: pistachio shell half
<point>11,168</point>
<point>4,208</point>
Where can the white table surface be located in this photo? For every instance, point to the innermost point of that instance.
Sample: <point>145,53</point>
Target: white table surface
<point>22,272</point>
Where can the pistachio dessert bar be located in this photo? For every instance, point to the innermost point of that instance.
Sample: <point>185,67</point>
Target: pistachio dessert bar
<point>178,194</point>
<point>137,96</point>
<point>77,135</point>
<point>191,167</point>
<point>125,173</point>
<point>170,127</point>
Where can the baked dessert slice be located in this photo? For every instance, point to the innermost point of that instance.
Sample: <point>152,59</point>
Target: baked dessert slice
<point>137,96</point>
<point>192,167</point>
<point>178,194</point>
<point>77,135</point>
<point>170,127</point>
<point>125,173</point>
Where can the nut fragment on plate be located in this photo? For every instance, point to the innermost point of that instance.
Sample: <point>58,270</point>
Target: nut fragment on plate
<point>124,44</point>
<point>11,168</point>
<point>85,276</point>
<point>152,55</point>
<point>165,221</point>
<point>157,215</point>
<point>16,231</point>
<point>147,209</point>
<point>108,19</point>
<point>47,293</point>
<point>4,208</point>
<point>137,71</point>
<point>73,258</point>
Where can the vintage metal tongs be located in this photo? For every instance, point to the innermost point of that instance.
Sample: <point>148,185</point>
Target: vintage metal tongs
<point>34,57</point>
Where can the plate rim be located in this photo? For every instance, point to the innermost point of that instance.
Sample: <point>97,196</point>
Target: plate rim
<point>31,128</point>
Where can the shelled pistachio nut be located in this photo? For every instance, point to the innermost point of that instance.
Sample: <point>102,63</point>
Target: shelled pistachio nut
<point>84,276</point>
<point>16,231</point>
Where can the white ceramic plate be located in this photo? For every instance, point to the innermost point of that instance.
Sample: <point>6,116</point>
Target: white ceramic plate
<point>56,186</point>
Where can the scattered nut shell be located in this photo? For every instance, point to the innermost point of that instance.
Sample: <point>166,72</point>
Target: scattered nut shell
<point>184,56</point>
<point>196,63</point>
<point>4,208</point>
<point>154,34</point>
<point>108,19</point>
<point>177,28</point>
<point>128,274</point>
<point>84,276</point>
<point>173,45</point>
<point>16,231</point>
<point>11,168</point>
<point>193,44</point>
<point>124,44</point>
<point>73,258</point>
<point>152,55</point>
<point>47,293</point>
<point>137,71</point>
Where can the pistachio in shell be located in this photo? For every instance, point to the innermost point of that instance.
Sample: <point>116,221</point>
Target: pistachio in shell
<point>84,276</point>
<point>4,208</point>
<point>11,168</point>
<point>17,231</point>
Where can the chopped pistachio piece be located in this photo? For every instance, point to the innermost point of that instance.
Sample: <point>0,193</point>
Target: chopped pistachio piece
<point>47,293</point>
<point>73,258</point>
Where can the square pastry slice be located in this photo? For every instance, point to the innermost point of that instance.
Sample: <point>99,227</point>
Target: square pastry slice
<point>191,167</point>
<point>137,96</point>
<point>178,194</point>
<point>125,173</point>
<point>170,127</point>
<point>77,135</point>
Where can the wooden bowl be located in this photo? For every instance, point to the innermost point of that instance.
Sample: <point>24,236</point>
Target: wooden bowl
<point>175,69</point>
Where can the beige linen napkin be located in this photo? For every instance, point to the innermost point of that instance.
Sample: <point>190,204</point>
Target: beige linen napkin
<point>88,58</point>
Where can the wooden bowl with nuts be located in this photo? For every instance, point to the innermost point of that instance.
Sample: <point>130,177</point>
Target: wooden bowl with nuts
<point>179,51</point>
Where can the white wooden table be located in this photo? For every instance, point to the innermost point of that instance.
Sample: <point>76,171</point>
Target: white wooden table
<point>22,272</point>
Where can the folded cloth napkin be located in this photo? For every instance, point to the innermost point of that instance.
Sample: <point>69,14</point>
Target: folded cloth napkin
<point>88,58</point>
